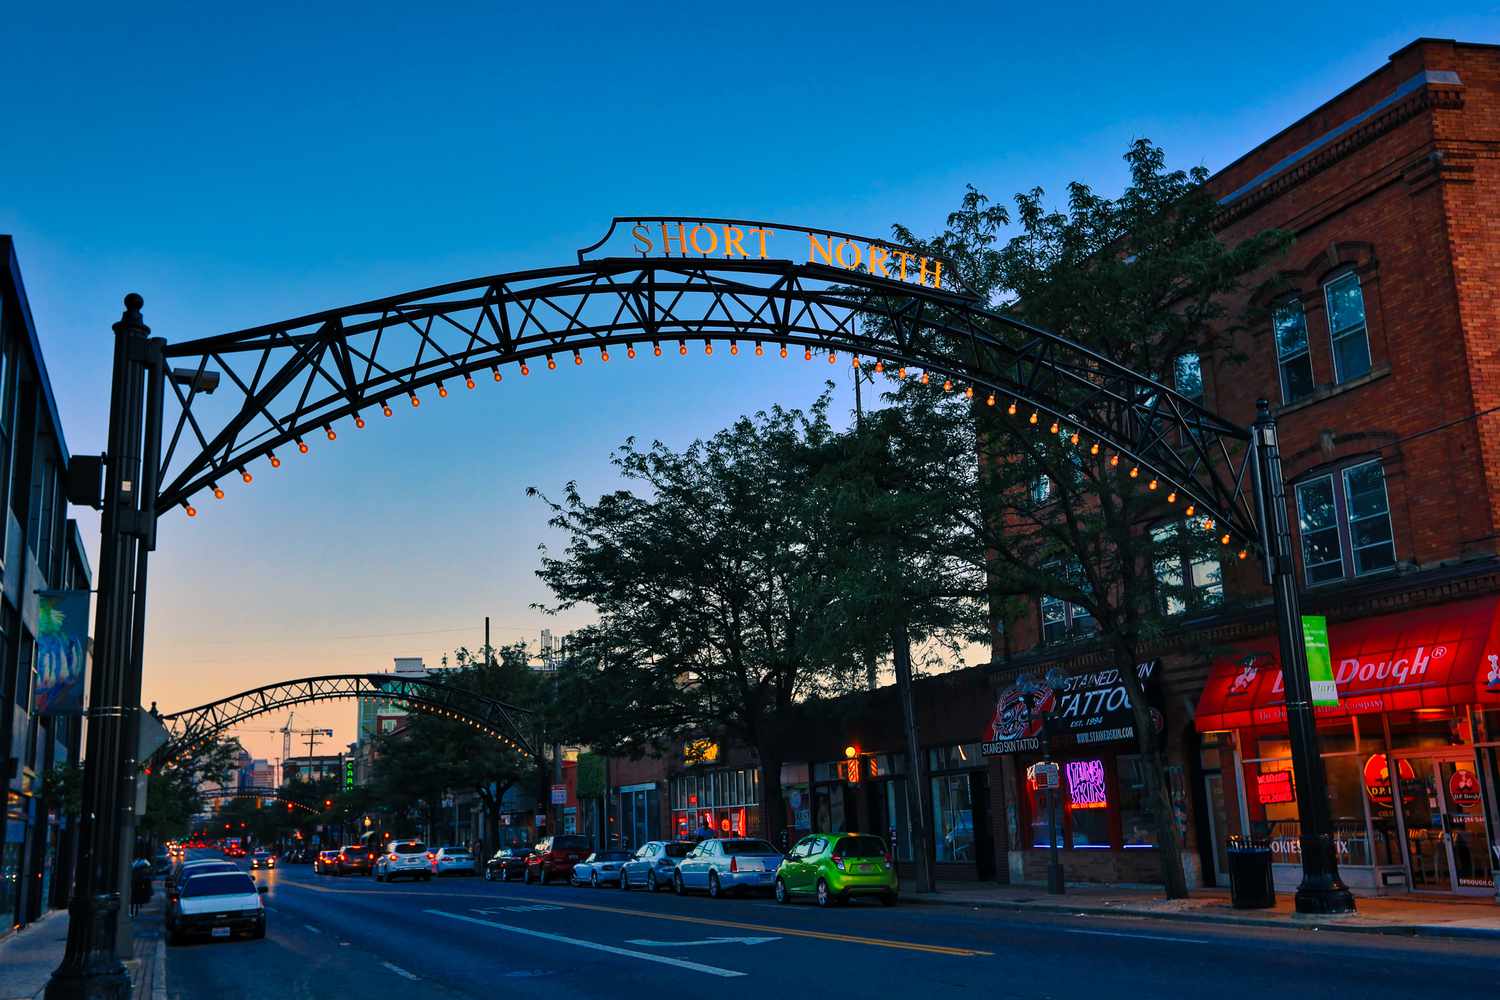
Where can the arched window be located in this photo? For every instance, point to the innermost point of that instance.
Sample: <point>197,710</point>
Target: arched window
<point>1346,327</point>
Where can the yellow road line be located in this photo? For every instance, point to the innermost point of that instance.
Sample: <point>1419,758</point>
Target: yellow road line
<point>932,949</point>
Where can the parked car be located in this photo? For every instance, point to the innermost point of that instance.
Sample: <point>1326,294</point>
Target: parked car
<point>834,867</point>
<point>652,865</point>
<point>262,859</point>
<point>454,861</point>
<point>728,864</point>
<point>182,871</point>
<point>600,868</point>
<point>325,862</point>
<point>404,859</point>
<point>508,863</point>
<point>554,857</point>
<point>217,905</point>
<point>355,858</point>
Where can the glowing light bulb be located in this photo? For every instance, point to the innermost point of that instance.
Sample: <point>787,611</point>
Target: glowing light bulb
<point>302,446</point>
<point>1225,539</point>
<point>191,510</point>
<point>1151,485</point>
<point>1073,438</point>
<point>1094,448</point>
<point>783,350</point>
<point>496,372</point>
<point>990,400</point>
<point>1114,460</point>
<point>1033,418</point>
<point>925,380</point>
<point>807,354</point>
<point>524,369</point>
<point>275,462</point>
<point>331,435</point>
<point>415,402</point>
<point>1053,428</point>
<point>969,392</point>
<point>682,348</point>
<point>245,475</point>
<point>1189,511</point>
<point>1244,554</point>
<point>901,372</point>
<point>218,493</point>
<point>1172,497</point>
<point>657,348</point>
<point>1134,471</point>
<point>551,363</point>
<point>947,385</point>
<point>603,354</point>
<point>468,381</point>
<point>760,349</point>
<point>385,408</point>
<point>734,348</point>
<point>708,348</point>
<point>630,352</point>
<point>879,365</point>
<point>442,391</point>
<point>854,361</point>
<point>833,357</point>
<point>577,358</point>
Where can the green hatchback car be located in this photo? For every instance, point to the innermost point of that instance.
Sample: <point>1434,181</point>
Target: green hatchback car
<point>835,867</point>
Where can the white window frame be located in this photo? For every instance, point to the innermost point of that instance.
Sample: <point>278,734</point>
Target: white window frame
<point>1337,482</point>
<point>1283,359</point>
<point>1362,328</point>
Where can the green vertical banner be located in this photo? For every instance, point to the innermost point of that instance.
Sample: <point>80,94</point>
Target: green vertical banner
<point>1325,690</point>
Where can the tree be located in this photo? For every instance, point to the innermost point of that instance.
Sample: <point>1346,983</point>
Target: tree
<point>172,798</point>
<point>1143,280</point>
<point>718,601</point>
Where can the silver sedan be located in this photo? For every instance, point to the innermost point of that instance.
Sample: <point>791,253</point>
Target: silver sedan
<point>728,864</point>
<point>601,868</point>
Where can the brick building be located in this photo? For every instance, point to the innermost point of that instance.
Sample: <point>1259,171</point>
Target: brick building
<point>1382,363</point>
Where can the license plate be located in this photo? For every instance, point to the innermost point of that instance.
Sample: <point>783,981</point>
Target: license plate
<point>220,932</point>
<point>866,869</point>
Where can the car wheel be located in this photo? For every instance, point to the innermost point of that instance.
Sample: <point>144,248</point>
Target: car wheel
<point>888,899</point>
<point>714,891</point>
<point>825,897</point>
<point>593,880</point>
<point>677,885</point>
<point>651,882</point>
<point>782,896</point>
<point>624,881</point>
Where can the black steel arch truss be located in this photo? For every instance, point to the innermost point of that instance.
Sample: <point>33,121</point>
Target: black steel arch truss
<point>191,728</point>
<point>256,792</point>
<point>285,385</point>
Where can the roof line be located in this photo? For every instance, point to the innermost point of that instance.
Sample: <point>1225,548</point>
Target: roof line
<point>13,263</point>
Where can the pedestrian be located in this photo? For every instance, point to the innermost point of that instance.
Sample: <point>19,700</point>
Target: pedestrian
<point>140,885</point>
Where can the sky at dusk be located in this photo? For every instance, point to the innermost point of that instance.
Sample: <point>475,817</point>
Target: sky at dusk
<point>240,167</point>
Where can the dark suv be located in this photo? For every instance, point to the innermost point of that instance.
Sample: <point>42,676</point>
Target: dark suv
<point>355,858</point>
<point>554,858</point>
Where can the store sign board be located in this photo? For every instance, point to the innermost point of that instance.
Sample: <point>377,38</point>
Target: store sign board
<point>1087,788</point>
<point>1377,776</point>
<point>1087,709</point>
<point>559,795</point>
<point>1275,787</point>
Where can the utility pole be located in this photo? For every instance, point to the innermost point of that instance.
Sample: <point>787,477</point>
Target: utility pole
<point>915,798</point>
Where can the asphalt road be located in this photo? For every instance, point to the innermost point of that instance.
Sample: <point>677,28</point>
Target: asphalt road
<point>354,938</point>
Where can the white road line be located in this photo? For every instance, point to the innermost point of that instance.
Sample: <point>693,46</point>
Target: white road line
<point>1146,937</point>
<point>312,928</point>
<point>399,971</point>
<point>593,945</point>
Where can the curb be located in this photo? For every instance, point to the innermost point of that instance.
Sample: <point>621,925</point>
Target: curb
<point>1310,923</point>
<point>159,973</point>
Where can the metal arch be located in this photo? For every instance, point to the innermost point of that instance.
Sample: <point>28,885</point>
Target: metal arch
<point>286,382</point>
<point>255,792</point>
<point>193,727</point>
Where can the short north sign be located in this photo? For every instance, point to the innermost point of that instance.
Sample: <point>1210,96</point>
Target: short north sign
<point>740,239</point>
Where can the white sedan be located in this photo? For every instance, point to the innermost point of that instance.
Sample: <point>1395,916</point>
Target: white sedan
<point>454,861</point>
<point>601,868</point>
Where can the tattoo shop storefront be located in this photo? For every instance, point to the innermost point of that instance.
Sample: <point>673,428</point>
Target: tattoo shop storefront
<point>1106,829</point>
<point>1412,749</point>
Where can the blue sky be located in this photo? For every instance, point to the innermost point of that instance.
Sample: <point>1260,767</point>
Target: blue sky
<point>238,167</point>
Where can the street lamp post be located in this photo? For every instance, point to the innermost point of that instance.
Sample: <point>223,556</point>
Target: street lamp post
<point>1321,891</point>
<point>90,967</point>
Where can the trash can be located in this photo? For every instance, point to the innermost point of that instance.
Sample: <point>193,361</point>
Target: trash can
<point>1251,886</point>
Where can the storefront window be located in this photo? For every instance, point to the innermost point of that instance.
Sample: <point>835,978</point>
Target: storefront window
<point>1088,802</point>
<point>828,809</point>
<point>953,815</point>
<point>724,803</point>
<point>1137,823</point>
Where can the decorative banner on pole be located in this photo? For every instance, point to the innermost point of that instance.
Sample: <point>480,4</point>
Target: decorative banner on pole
<point>62,645</point>
<point>1325,690</point>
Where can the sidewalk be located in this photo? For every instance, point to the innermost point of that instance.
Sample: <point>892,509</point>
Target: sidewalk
<point>1441,917</point>
<point>28,956</point>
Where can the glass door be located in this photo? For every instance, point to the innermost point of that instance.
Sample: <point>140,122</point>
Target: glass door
<point>1446,833</point>
<point>1468,839</point>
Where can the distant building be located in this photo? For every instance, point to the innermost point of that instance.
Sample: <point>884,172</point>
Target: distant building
<point>384,715</point>
<point>314,768</point>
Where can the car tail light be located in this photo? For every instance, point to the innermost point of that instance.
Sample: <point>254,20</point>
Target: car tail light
<point>886,856</point>
<point>734,865</point>
<point>394,858</point>
<point>342,856</point>
<point>431,855</point>
<point>838,859</point>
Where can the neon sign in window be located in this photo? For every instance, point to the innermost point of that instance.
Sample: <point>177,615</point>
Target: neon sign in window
<point>1086,788</point>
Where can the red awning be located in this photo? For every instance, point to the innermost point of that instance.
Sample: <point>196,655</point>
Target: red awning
<point>1432,658</point>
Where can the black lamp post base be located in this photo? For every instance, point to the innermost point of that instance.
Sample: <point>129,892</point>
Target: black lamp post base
<point>1055,884</point>
<point>1328,898</point>
<point>112,984</point>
